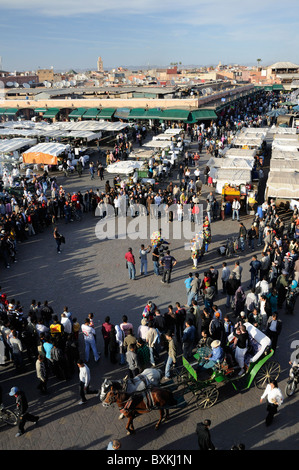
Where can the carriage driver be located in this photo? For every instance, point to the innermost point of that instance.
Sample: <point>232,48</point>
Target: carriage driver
<point>216,356</point>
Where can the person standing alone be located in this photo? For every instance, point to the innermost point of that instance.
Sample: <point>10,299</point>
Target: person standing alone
<point>84,378</point>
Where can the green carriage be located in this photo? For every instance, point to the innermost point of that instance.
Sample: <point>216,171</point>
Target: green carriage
<point>260,370</point>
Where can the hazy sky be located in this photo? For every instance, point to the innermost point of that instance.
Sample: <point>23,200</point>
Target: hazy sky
<point>73,33</point>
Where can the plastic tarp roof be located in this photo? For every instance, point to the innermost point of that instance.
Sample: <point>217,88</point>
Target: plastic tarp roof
<point>290,137</point>
<point>91,126</point>
<point>157,144</point>
<point>284,165</point>
<point>88,135</point>
<point>233,176</point>
<point>283,184</point>
<point>124,167</point>
<point>247,142</point>
<point>246,134</point>
<point>46,153</point>
<point>231,163</point>
<point>280,155</point>
<point>240,153</point>
<point>287,146</point>
<point>10,145</point>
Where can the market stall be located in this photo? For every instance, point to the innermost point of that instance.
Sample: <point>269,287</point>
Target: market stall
<point>45,153</point>
<point>282,185</point>
<point>126,167</point>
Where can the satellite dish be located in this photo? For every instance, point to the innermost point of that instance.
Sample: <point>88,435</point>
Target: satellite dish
<point>73,82</point>
<point>45,83</point>
<point>9,84</point>
<point>67,84</point>
<point>16,85</point>
<point>49,84</point>
<point>26,85</point>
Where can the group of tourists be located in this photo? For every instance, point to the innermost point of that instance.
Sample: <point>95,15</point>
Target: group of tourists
<point>52,341</point>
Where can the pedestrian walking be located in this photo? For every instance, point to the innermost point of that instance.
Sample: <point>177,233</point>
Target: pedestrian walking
<point>89,340</point>
<point>204,436</point>
<point>274,398</point>
<point>171,354</point>
<point>22,410</point>
<point>84,382</point>
<point>168,262</point>
<point>274,326</point>
<point>58,238</point>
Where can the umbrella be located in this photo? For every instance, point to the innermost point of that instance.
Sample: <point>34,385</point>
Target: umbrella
<point>276,112</point>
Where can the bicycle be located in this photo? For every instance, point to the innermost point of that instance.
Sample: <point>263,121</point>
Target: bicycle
<point>8,417</point>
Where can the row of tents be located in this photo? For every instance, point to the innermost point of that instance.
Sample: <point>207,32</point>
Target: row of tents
<point>283,177</point>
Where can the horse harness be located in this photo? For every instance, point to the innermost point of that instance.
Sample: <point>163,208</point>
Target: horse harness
<point>147,399</point>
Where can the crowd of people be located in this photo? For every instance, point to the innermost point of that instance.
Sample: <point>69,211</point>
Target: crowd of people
<point>51,341</point>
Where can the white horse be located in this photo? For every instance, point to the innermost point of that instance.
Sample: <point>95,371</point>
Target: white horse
<point>148,378</point>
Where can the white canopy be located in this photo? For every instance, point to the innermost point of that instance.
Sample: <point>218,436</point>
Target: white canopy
<point>88,135</point>
<point>157,144</point>
<point>282,184</point>
<point>286,137</point>
<point>285,146</point>
<point>240,153</point>
<point>173,131</point>
<point>10,145</point>
<point>226,176</point>
<point>254,130</point>
<point>143,154</point>
<point>91,126</point>
<point>248,142</point>
<point>124,167</point>
<point>231,163</point>
<point>280,155</point>
<point>51,148</point>
<point>284,165</point>
<point>163,137</point>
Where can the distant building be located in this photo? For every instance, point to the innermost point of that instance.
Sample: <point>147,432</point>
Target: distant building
<point>100,67</point>
<point>284,73</point>
<point>45,75</point>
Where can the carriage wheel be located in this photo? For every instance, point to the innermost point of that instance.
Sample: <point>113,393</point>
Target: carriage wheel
<point>268,372</point>
<point>207,397</point>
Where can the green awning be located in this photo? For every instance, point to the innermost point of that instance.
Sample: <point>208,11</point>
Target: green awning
<point>268,88</point>
<point>91,113</point>
<point>204,114</point>
<point>77,113</point>
<point>175,115</point>
<point>40,110</point>
<point>51,112</point>
<point>11,111</point>
<point>2,110</point>
<point>106,113</point>
<point>153,113</point>
<point>277,87</point>
<point>137,113</point>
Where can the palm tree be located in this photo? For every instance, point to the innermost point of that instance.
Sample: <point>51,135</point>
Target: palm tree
<point>258,61</point>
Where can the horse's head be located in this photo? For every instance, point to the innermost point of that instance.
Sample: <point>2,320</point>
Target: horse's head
<point>112,396</point>
<point>105,388</point>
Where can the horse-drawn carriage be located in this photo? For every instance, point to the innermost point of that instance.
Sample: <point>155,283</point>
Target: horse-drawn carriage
<point>258,369</point>
<point>144,393</point>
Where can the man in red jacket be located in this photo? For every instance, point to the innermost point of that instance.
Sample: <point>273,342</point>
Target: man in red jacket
<point>130,259</point>
<point>106,329</point>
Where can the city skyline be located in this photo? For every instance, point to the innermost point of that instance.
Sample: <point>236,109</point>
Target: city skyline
<point>69,34</point>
